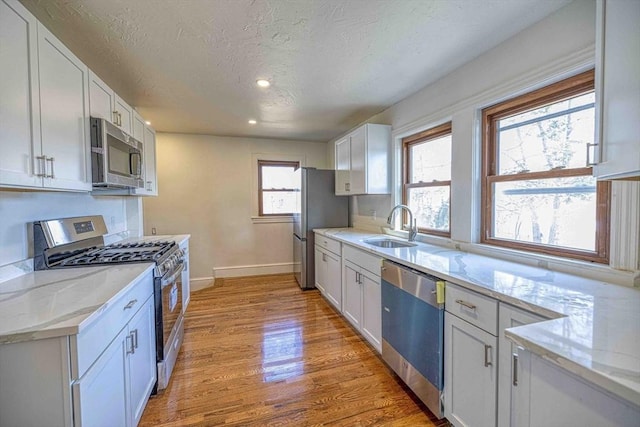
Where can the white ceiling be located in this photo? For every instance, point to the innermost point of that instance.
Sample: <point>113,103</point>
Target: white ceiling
<point>191,65</point>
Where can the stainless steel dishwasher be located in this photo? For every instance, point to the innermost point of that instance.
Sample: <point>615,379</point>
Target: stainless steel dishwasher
<point>412,331</point>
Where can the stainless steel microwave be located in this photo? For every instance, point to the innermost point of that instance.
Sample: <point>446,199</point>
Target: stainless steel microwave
<point>116,157</point>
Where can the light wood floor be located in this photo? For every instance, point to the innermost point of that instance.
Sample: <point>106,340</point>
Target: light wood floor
<point>259,351</point>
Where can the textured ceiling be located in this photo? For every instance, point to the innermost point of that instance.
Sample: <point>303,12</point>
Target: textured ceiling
<point>191,65</point>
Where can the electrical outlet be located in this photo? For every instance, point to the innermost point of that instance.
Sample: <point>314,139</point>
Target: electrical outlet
<point>153,231</point>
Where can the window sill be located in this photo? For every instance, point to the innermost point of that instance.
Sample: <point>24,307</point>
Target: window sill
<point>271,219</point>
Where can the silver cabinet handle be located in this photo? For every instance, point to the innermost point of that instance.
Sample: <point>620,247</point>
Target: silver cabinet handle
<point>466,304</point>
<point>129,344</point>
<point>43,166</point>
<point>120,118</point>
<point>130,304</point>
<point>134,333</point>
<point>514,374</point>
<point>387,310</point>
<point>324,257</point>
<point>487,363</point>
<point>115,117</point>
<point>149,188</point>
<point>347,186</point>
<point>50,159</point>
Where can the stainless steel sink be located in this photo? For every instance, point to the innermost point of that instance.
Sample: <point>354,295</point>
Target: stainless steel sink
<point>388,243</point>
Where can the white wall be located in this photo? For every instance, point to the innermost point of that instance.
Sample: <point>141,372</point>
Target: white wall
<point>205,189</point>
<point>18,208</point>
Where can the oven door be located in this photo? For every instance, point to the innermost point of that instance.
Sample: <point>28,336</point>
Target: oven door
<point>171,292</point>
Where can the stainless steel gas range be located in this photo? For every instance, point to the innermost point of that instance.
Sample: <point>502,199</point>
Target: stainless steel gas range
<point>79,242</point>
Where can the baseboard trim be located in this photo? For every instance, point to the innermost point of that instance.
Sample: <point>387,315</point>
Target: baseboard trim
<point>199,283</point>
<point>253,270</point>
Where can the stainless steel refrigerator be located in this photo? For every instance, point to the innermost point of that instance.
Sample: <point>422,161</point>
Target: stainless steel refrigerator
<point>317,206</point>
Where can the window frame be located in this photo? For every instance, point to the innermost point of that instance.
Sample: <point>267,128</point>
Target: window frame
<point>283,163</point>
<point>418,138</point>
<point>568,88</point>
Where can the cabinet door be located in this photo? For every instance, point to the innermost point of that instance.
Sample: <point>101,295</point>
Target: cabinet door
<point>358,160</point>
<point>352,295</point>
<point>321,270</point>
<point>63,114</point>
<point>372,310</point>
<point>101,99</point>
<point>470,377</point>
<point>19,107</point>
<point>150,171</point>
<point>100,395</point>
<point>509,317</point>
<point>138,127</point>
<point>142,361</point>
<point>557,398</point>
<point>333,281</point>
<point>125,115</point>
<point>618,87</point>
<point>343,166</point>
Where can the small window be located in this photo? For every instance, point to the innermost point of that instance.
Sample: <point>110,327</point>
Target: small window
<point>276,187</point>
<point>427,179</point>
<point>538,192</point>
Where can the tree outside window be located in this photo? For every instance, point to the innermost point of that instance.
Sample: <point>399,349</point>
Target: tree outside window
<point>427,179</point>
<point>538,192</point>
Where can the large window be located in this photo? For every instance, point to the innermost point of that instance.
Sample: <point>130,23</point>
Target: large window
<point>538,192</point>
<point>427,178</point>
<point>276,187</point>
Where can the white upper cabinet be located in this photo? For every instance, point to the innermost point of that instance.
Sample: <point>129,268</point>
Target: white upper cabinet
<point>64,123</point>
<point>44,107</point>
<point>106,104</point>
<point>19,108</point>
<point>149,163</point>
<point>125,115</point>
<point>618,88</point>
<point>101,98</point>
<point>362,161</point>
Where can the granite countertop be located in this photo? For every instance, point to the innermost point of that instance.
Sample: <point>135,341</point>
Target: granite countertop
<point>54,303</point>
<point>594,331</point>
<point>59,302</point>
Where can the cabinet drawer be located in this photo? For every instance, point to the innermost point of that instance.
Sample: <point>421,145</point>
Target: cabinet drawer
<point>479,310</point>
<point>91,342</point>
<point>362,259</point>
<point>328,244</point>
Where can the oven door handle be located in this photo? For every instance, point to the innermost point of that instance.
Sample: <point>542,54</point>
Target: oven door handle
<point>171,276</point>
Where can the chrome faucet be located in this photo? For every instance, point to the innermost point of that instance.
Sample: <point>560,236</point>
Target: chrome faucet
<point>412,227</point>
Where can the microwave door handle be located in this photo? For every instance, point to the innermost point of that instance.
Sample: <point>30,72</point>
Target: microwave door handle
<point>138,171</point>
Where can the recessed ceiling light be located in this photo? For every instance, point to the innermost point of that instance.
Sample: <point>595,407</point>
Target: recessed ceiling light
<point>148,123</point>
<point>263,83</point>
<point>252,122</point>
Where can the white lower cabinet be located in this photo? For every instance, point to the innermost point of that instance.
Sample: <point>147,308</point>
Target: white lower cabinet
<point>470,357</point>
<point>509,317</point>
<point>352,295</point>
<point>141,357</point>
<point>361,294</point>
<point>102,376</point>
<point>99,396</point>
<point>470,375</point>
<point>185,277</point>
<point>115,390</point>
<point>548,395</point>
<point>328,276</point>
